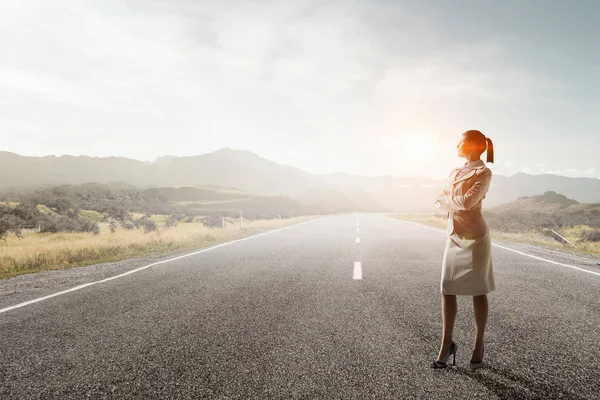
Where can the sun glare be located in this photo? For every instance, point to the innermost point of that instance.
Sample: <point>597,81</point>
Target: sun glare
<point>417,149</point>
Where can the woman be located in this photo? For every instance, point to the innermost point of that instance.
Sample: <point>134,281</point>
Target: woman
<point>467,263</point>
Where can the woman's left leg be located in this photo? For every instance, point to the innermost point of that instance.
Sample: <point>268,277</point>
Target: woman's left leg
<point>480,307</point>
<point>449,311</point>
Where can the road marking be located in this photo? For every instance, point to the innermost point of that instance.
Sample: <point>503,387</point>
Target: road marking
<point>357,270</point>
<point>73,289</point>
<point>549,261</point>
<point>518,252</point>
<point>357,240</point>
<point>357,230</point>
<point>570,256</point>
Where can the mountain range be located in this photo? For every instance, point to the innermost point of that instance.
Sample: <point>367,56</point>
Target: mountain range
<point>549,203</point>
<point>245,170</point>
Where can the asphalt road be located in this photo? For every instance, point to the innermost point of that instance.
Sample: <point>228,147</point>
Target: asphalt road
<point>281,316</point>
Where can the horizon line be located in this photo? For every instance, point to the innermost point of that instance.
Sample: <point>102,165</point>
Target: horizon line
<point>284,165</point>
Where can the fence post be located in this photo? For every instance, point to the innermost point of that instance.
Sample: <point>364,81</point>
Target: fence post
<point>222,223</point>
<point>241,221</point>
<point>561,239</point>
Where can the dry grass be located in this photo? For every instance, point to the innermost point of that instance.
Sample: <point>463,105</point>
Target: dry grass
<point>530,237</point>
<point>47,251</point>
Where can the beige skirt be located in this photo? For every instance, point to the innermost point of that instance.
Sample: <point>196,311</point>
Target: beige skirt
<point>467,266</point>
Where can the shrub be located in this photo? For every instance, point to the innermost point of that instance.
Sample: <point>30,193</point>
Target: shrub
<point>113,226</point>
<point>147,224</point>
<point>60,223</point>
<point>9,224</point>
<point>212,221</point>
<point>73,212</point>
<point>27,212</point>
<point>171,222</point>
<point>591,236</point>
<point>128,225</point>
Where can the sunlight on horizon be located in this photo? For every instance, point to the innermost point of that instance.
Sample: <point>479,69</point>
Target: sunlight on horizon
<point>417,149</point>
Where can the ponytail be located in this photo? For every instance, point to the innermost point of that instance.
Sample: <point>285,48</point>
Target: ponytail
<point>490,150</point>
<point>481,143</point>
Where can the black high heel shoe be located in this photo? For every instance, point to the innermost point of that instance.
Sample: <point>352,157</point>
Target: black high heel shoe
<point>477,364</point>
<point>443,362</point>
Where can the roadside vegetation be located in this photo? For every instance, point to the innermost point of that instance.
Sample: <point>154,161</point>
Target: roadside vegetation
<point>67,226</point>
<point>35,251</point>
<point>537,220</point>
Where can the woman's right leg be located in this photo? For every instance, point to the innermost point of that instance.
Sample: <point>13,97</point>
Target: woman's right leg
<point>480,308</point>
<point>449,310</point>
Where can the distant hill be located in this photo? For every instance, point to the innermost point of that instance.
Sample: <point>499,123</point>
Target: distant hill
<point>226,168</point>
<point>505,189</point>
<point>419,193</point>
<point>547,211</point>
<point>203,193</point>
<point>247,171</point>
<point>548,202</point>
<point>117,199</point>
<point>213,199</point>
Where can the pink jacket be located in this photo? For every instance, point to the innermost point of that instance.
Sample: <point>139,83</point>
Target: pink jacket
<point>462,200</point>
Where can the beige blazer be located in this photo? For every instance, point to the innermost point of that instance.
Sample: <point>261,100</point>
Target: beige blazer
<point>462,201</point>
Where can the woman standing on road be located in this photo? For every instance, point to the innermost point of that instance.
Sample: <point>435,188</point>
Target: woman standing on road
<point>467,263</point>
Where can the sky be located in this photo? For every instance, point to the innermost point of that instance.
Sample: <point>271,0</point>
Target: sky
<point>370,87</point>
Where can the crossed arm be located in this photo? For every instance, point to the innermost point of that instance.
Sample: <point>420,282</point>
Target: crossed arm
<point>447,202</point>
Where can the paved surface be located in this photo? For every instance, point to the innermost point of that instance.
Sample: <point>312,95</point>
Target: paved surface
<point>280,316</point>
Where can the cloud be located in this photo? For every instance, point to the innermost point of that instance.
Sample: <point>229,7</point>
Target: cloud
<point>573,172</point>
<point>341,81</point>
<point>319,58</point>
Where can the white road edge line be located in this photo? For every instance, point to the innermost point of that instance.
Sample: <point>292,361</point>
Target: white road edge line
<point>518,252</point>
<point>357,270</point>
<point>73,289</point>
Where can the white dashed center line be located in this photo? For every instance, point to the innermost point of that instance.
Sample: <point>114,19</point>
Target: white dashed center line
<point>357,264</point>
<point>357,270</point>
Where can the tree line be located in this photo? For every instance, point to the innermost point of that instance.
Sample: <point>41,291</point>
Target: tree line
<point>62,206</point>
<point>79,208</point>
